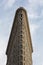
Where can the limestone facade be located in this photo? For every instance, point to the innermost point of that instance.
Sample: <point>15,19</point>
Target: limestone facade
<point>19,50</point>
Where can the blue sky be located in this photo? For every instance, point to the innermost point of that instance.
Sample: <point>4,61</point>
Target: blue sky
<point>34,10</point>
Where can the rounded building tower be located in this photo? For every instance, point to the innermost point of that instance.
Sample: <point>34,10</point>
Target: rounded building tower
<point>19,49</point>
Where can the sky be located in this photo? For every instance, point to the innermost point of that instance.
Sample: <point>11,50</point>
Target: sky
<point>34,10</point>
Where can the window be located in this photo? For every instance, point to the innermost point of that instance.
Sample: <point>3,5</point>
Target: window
<point>24,58</point>
<point>21,15</point>
<point>21,35</point>
<point>21,51</point>
<point>24,52</point>
<point>21,57</point>
<point>24,63</point>
<point>21,46</point>
<point>21,19</point>
<point>21,63</point>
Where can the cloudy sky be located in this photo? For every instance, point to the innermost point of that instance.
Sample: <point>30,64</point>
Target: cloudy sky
<point>34,10</point>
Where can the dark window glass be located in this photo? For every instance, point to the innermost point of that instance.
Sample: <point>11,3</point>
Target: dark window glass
<point>21,35</point>
<point>21,63</point>
<point>21,15</point>
<point>24,58</point>
<point>21,57</point>
<point>21,51</point>
<point>21,18</point>
<point>20,46</point>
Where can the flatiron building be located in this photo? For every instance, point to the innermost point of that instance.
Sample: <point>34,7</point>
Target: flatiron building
<point>19,49</point>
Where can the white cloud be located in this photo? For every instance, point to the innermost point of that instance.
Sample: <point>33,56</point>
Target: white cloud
<point>41,2</point>
<point>33,28</point>
<point>33,11</point>
<point>33,16</point>
<point>9,3</point>
<point>3,46</point>
<point>2,3</point>
<point>35,8</point>
<point>41,13</point>
<point>3,59</point>
<point>36,2</point>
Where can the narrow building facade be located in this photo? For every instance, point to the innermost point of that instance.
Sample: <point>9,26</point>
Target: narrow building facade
<point>19,49</point>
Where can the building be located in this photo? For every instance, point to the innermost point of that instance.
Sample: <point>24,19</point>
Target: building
<point>19,49</point>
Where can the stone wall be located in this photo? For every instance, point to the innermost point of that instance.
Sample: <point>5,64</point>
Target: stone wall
<point>20,52</point>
